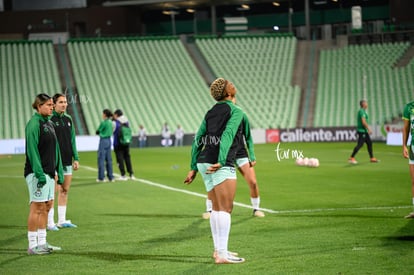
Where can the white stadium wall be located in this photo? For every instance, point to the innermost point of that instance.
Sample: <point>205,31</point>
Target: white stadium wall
<point>391,133</point>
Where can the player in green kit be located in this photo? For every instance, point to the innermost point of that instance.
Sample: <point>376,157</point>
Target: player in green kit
<point>213,155</point>
<point>43,163</point>
<point>65,133</point>
<point>408,117</point>
<point>363,132</point>
<point>245,162</point>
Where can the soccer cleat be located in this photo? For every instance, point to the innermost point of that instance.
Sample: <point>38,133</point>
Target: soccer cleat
<point>112,180</point>
<point>67,224</point>
<point>231,254</point>
<point>123,178</point>
<point>53,248</point>
<point>206,215</point>
<point>229,260</point>
<point>39,250</point>
<point>352,161</point>
<point>258,213</point>
<point>132,177</point>
<point>52,228</point>
<point>410,216</point>
<point>373,160</point>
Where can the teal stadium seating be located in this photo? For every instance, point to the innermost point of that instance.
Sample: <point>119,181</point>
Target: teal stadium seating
<point>261,68</point>
<point>351,73</point>
<point>152,80</point>
<point>26,69</point>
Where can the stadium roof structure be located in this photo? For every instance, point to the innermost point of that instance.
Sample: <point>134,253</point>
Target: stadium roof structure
<point>184,4</point>
<point>234,7</point>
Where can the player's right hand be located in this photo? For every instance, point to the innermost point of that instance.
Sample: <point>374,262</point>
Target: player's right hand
<point>75,165</point>
<point>41,183</point>
<point>190,177</point>
<point>405,152</point>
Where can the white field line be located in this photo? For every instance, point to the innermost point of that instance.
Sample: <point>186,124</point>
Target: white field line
<point>343,209</point>
<point>181,190</point>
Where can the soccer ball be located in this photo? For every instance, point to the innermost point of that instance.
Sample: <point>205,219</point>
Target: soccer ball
<point>299,162</point>
<point>313,162</point>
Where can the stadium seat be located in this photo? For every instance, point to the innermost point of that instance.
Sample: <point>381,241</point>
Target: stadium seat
<point>28,68</point>
<point>147,78</point>
<point>258,66</point>
<point>351,73</point>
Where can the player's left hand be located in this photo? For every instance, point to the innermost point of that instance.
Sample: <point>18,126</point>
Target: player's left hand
<point>75,165</point>
<point>252,163</point>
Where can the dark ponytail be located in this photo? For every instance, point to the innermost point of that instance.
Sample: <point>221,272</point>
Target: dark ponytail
<point>107,113</point>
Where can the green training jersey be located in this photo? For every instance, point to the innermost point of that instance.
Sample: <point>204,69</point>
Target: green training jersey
<point>105,128</point>
<point>42,149</point>
<point>65,133</point>
<point>408,114</point>
<point>362,113</point>
<point>218,137</point>
<point>242,152</point>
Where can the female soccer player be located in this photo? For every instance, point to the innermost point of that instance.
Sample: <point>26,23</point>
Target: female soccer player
<point>65,132</point>
<point>408,152</point>
<point>42,162</point>
<point>245,162</point>
<point>213,154</point>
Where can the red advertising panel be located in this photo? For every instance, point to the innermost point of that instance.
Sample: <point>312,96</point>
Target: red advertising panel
<point>272,136</point>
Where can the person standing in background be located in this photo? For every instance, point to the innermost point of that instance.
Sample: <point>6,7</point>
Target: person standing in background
<point>122,150</point>
<point>43,161</point>
<point>179,136</point>
<point>65,133</point>
<point>166,136</point>
<point>104,150</point>
<point>142,136</point>
<point>363,132</point>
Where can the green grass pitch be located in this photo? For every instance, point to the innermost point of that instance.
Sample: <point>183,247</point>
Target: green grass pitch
<point>334,219</point>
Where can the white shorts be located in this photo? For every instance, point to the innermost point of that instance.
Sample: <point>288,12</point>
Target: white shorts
<point>242,161</point>
<point>211,180</point>
<point>45,193</point>
<point>67,170</point>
